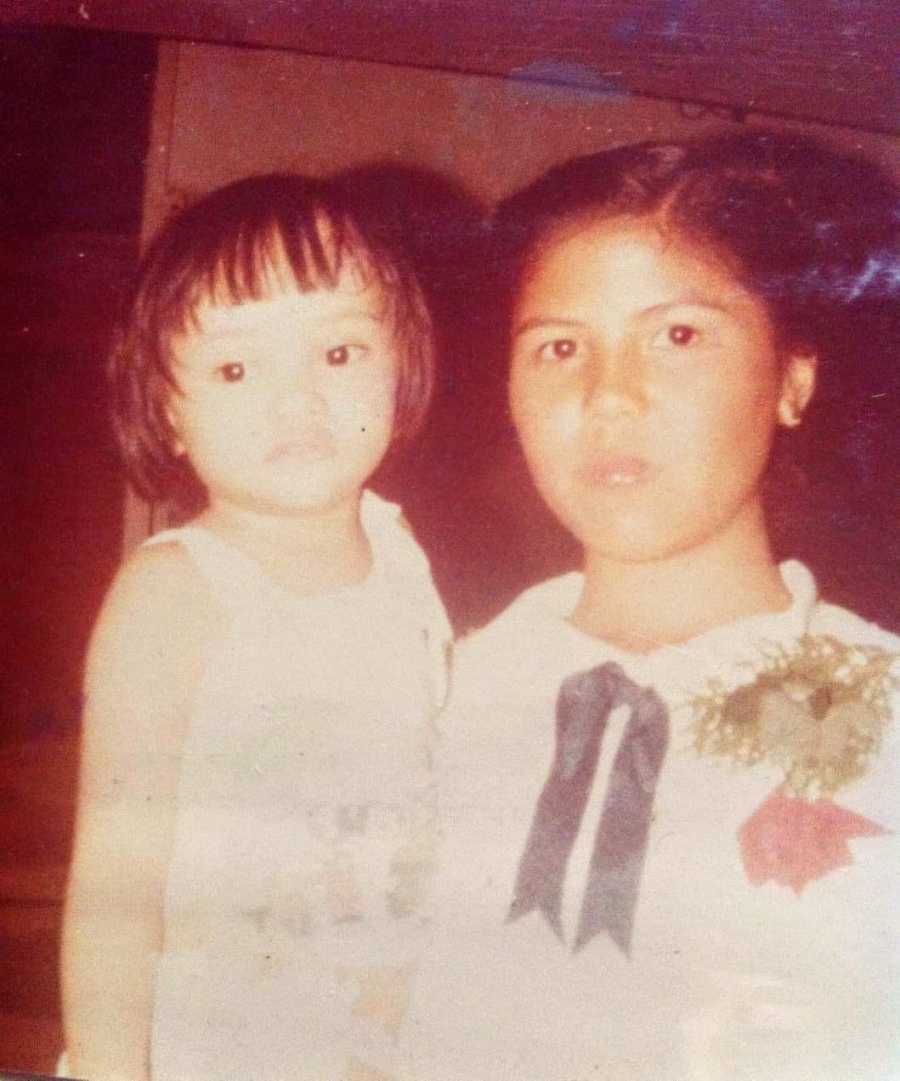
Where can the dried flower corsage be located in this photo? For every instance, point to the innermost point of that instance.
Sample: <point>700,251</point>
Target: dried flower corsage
<point>818,712</point>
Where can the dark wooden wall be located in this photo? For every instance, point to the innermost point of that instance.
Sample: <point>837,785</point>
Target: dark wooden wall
<point>828,60</point>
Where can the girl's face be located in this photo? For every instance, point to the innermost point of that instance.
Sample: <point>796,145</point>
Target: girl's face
<point>286,403</point>
<point>645,387</point>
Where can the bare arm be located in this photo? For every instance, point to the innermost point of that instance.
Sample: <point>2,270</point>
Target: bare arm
<point>141,677</point>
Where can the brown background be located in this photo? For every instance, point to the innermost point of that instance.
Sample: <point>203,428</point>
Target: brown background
<point>114,112</point>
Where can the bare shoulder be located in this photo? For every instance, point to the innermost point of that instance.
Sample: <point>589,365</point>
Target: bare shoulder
<point>152,580</point>
<point>142,674</point>
<point>145,652</point>
<point>157,594</point>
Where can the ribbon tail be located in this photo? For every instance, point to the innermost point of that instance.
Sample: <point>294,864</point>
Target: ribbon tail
<point>542,869</point>
<point>617,861</point>
<point>582,710</point>
<point>609,903</point>
<point>550,908</point>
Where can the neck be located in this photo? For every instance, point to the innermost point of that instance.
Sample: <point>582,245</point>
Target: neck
<point>641,606</point>
<point>306,552</point>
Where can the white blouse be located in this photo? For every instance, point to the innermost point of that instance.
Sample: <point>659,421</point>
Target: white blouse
<point>729,976</point>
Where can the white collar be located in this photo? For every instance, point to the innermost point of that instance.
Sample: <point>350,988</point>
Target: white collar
<point>729,654</point>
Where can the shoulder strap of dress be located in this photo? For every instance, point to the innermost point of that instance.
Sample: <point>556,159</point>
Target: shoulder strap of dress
<point>399,557</point>
<point>233,578</point>
<point>402,562</point>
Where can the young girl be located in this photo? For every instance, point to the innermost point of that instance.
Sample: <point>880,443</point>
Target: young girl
<point>670,782</point>
<point>255,831</point>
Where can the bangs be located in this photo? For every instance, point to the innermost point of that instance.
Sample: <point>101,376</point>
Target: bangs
<point>245,242</point>
<point>309,252</point>
<point>259,236</point>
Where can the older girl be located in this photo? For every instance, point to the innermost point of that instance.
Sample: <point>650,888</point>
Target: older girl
<point>670,781</point>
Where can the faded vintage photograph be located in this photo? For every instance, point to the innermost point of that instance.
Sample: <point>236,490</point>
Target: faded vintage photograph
<point>454,551</point>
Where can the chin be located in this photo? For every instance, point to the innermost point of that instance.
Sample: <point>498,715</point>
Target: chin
<point>660,542</point>
<point>636,542</point>
<point>628,554</point>
<point>295,502</point>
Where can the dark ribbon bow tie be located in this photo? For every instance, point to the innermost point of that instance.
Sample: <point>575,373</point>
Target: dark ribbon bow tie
<point>582,710</point>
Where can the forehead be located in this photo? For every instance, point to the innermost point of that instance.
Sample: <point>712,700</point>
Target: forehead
<point>626,260</point>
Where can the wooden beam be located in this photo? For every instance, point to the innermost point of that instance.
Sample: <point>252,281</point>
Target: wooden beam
<point>824,60</point>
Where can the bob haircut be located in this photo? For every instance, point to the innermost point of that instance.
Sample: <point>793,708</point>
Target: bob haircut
<point>226,248</point>
<point>807,230</point>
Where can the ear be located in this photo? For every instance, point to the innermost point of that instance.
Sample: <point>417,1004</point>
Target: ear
<point>797,385</point>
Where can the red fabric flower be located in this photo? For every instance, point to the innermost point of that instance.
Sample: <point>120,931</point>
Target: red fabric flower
<point>793,841</point>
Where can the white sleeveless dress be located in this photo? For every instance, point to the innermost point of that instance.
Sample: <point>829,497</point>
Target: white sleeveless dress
<point>297,895</point>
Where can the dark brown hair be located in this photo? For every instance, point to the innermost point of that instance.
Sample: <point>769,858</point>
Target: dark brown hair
<point>810,231</point>
<point>223,247</point>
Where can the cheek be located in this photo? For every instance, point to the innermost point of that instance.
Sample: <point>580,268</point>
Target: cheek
<point>546,418</point>
<point>368,402</point>
<point>195,430</point>
<point>749,415</point>
<point>726,433</point>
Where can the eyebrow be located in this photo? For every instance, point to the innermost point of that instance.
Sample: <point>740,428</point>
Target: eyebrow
<point>540,322</point>
<point>688,300</point>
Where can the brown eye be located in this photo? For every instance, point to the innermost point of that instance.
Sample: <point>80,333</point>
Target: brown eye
<point>338,355</point>
<point>558,349</point>
<point>344,354</point>
<point>232,372</point>
<point>682,334</point>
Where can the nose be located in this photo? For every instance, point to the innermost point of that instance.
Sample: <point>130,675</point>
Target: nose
<point>298,392</point>
<point>615,383</point>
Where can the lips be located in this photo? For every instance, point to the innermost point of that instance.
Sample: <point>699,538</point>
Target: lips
<point>311,446</point>
<point>613,471</point>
